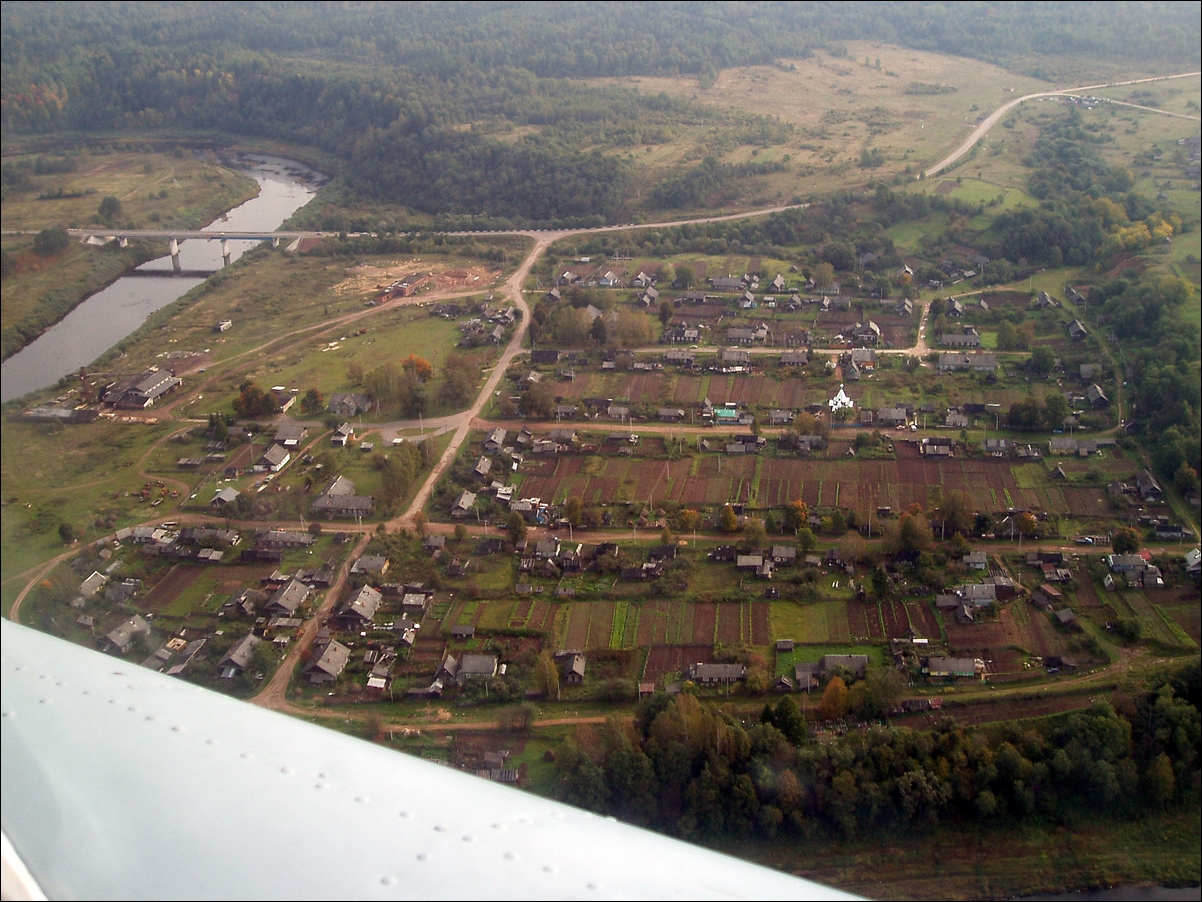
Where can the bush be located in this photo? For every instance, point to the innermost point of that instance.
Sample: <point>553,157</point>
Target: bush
<point>49,242</point>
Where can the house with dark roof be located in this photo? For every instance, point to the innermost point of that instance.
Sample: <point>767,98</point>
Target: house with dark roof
<point>287,599</point>
<point>360,609</point>
<point>239,657</point>
<point>347,404</point>
<point>121,638</point>
<point>715,673</point>
<point>274,459</point>
<point>496,440</point>
<point>969,339</point>
<point>329,662</point>
<point>574,668</point>
<point>1149,489</point>
<point>477,667</point>
<point>463,505</point>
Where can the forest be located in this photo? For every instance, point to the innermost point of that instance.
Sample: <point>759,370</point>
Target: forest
<point>420,100</point>
<point>689,769</point>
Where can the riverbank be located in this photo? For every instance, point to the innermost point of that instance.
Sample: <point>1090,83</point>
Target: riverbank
<point>62,188</point>
<point>106,318</point>
<point>1003,862</point>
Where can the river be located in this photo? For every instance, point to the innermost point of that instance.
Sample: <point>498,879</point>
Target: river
<point>111,314</point>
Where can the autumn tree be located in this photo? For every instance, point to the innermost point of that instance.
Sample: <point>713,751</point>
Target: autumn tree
<point>834,700</point>
<point>1027,524</point>
<point>419,367</point>
<point>728,520</point>
<point>687,519</point>
<point>546,675</point>
<point>797,513</point>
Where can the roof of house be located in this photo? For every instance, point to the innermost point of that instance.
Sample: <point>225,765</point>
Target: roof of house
<point>331,661</point>
<point>478,665</point>
<point>362,604</point>
<point>241,652</point>
<point>289,597</point>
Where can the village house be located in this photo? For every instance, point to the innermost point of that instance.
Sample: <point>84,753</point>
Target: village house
<point>122,637</point>
<point>370,565</point>
<point>328,663</point>
<point>476,667</point>
<point>360,609</point>
<point>239,657</point>
<point>495,441</point>
<point>463,505</point>
<point>969,339</point>
<point>952,667</point>
<point>344,404</point>
<point>287,599</point>
<point>715,673</point>
<point>274,459</point>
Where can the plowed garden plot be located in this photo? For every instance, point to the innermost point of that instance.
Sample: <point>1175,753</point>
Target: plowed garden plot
<point>1172,598</point>
<point>1005,665</point>
<point>693,313</point>
<point>578,624</point>
<point>761,628</point>
<point>1086,596</point>
<point>687,390</point>
<point>994,712</point>
<point>521,613</point>
<point>1016,626</point>
<point>644,386</point>
<point>730,623</point>
<point>601,624</point>
<point>666,659</point>
<point>896,623</point>
<point>857,624</point>
<point>178,579</point>
<point>1087,502</point>
<point>542,617</point>
<point>705,619</point>
<point>922,618</point>
<point>653,623</point>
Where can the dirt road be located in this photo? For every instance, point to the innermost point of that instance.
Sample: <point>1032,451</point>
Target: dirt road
<point>990,121</point>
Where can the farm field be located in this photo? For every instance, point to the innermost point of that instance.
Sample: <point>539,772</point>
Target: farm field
<point>763,482</point>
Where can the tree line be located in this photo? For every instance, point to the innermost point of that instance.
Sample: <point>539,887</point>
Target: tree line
<point>686,768</point>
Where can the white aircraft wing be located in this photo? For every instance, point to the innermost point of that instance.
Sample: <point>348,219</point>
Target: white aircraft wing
<point>121,783</point>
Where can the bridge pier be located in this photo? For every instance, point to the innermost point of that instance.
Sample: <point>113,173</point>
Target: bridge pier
<point>175,264</point>
<point>225,251</point>
<point>275,242</point>
<point>122,242</point>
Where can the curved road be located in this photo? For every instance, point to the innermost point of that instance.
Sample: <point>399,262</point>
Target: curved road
<point>980,131</point>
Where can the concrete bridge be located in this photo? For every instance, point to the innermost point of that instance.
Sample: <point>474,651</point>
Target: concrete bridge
<point>123,237</point>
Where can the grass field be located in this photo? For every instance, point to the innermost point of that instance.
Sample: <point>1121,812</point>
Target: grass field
<point>865,107</point>
<point>824,622</point>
